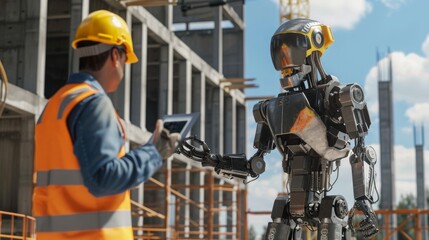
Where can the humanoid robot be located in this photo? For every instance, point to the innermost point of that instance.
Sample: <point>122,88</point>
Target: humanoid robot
<point>311,123</point>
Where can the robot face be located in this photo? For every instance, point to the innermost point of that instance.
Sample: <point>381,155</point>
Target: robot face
<point>295,40</point>
<point>288,50</point>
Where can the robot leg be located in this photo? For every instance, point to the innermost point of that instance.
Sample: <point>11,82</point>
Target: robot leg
<point>333,226</point>
<point>279,228</point>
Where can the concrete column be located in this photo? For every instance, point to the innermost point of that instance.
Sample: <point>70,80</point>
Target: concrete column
<point>181,177</point>
<point>234,212</point>
<point>217,204</point>
<point>139,76</point>
<point>169,17</point>
<point>387,157</point>
<point>137,195</point>
<point>214,119</point>
<point>9,163</point>
<point>230,125</point>
<point>228,199</point>
<point>168,198</point>
<point>218,40</point>
<point>220,111</point>
<point>420,179</point>
<point>185,87</point>
<point>196,178</point>
<point>199,103</point>
<point>35,46</point>
<point>241,129</point>
<point>26,156</point>
<point>188,195</point>
<point>79,10</point>
<point>121,98</point>
<point>421,191</point>
<point>166,81</point>
<point>202,201</point>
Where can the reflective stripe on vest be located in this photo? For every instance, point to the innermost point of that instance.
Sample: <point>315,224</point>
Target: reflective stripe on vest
<point>59,177</point>
<point>70,98</point>
<point>83,221</point>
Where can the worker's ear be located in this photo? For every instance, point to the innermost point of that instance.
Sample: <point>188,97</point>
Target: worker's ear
<point>115,57</point>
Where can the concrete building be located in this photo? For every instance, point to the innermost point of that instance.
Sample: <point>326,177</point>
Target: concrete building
<point>420,180</point>
<point>387,157</point>
<point>185,66</point>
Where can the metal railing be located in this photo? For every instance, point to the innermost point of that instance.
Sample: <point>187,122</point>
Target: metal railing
<point>17,226</point>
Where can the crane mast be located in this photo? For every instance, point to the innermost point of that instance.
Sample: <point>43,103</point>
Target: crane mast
<point>290,9</point>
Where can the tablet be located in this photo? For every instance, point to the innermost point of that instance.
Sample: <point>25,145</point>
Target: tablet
<point>180,123</point>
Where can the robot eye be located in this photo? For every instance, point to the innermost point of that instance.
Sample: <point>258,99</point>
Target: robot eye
<point>317,38</point>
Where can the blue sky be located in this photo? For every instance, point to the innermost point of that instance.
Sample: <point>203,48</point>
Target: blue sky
<point>359,28</point>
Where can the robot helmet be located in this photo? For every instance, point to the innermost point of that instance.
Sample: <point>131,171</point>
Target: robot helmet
<point>297,39</point>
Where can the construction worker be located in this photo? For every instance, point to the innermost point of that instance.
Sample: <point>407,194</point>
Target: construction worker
<point>81,169</point>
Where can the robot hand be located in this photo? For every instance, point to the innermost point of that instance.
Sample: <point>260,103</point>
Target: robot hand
<point>197,150</point>
<point>368,226</point>
<point>231,166</point>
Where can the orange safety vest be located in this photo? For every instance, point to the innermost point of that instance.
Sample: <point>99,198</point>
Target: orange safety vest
<point>62,204</point>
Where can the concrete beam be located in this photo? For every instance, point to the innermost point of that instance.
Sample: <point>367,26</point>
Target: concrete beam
<point>232,15</point>
<point>24,102</point>
<point>161,33</point>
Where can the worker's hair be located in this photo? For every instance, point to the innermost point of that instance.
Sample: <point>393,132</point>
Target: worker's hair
<point>93,63</point>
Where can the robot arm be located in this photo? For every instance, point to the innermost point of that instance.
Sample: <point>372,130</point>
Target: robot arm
<point>346,105</point>
<point>362,162</point>
<point>234,165</point>
<point>229,165</point>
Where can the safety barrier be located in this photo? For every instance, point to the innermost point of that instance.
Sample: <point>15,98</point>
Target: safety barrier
<point>17,226</point>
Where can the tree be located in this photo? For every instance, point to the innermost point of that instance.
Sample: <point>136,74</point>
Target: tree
<point>263,232</point>
<point>406,202</point>
<point>252,233</point>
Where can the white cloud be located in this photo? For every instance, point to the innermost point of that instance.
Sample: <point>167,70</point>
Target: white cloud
<point>338,13</point>
<point>419,113</point>
<point>407,130</point>
<point>410,82</point>
<point>393,4</point>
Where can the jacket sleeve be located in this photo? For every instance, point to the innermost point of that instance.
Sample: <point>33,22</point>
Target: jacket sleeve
<point>97,140</point>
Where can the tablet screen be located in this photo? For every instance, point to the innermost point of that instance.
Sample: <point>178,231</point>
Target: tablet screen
<point>180,123</point>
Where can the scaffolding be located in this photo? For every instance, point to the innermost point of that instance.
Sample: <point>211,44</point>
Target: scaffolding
<point>17,226</point>
<point>409,224</point>
<point>172,219</point>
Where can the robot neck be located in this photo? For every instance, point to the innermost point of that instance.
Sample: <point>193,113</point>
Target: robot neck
<point>296,81</point>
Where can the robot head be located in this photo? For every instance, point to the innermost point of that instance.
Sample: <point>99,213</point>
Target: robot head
<point>292,46</point>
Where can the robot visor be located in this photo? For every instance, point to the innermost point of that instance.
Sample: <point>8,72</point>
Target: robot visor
<point>289,50</point>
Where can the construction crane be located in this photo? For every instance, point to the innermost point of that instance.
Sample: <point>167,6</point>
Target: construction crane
<point>290,9</point>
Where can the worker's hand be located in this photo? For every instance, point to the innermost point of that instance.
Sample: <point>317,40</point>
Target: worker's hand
<point>164,141</point>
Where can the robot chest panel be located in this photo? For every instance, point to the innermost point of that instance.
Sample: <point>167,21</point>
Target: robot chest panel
<point>291,114</point>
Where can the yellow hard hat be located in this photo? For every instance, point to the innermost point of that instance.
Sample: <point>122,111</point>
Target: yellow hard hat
<point>106,27</point>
